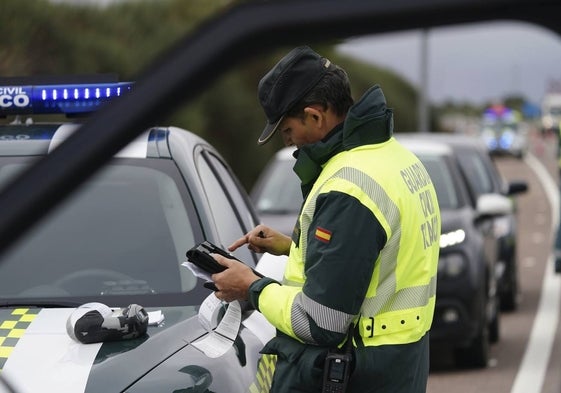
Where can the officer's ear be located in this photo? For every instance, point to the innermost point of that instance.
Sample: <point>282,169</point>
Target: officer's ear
<point>316,114</point>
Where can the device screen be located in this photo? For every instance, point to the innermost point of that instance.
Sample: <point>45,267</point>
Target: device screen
<point>336,370</point>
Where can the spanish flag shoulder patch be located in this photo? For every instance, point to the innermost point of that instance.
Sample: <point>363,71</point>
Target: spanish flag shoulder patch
<point>323,234</point>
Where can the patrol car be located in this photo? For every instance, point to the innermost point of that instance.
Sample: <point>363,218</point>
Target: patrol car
<point>119,240</point>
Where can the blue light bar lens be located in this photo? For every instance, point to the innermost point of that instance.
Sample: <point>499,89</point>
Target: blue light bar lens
<point>65,99</point>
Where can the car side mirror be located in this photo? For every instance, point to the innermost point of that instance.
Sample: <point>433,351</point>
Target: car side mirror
<point>490,205</point>
<point>517,187</point>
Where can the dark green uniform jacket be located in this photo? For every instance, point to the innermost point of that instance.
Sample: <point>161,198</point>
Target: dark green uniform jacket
<point>357,260</point>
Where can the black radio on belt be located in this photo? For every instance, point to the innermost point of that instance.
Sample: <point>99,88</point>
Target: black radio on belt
<point>337,366</point>
<point>336,372</point>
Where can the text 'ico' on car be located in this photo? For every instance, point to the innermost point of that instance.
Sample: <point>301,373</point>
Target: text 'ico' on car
<point>120,241</point>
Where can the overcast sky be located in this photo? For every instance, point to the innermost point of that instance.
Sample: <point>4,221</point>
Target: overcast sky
<point>476,63</point>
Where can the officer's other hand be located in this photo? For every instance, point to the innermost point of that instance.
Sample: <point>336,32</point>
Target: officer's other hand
<point>264,239</point>
<point>233,283</point>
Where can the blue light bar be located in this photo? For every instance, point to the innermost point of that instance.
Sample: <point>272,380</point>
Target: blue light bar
<point>67,99</point>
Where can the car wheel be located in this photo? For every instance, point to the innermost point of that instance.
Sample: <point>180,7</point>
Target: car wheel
<point>494,328</point>
<point>509,298</point>
<point>476,355</point>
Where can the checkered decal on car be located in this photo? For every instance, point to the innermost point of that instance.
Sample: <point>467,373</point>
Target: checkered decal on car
<point>264,377</point>
<point>13,324</point>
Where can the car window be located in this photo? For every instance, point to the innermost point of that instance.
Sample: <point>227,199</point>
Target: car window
<point>475,172</point>
<point>442,179</point>
<point>124,232</point>
<point>280,191</point>
<point>225,200</point>
<point>240,200</point>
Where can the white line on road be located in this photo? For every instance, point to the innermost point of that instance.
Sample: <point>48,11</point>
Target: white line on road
<point>531,374</point>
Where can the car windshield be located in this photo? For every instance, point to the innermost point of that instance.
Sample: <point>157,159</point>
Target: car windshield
<point>442,179</point>
<point>124,233</point>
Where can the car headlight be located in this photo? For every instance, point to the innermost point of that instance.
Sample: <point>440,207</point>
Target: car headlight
<point>452,238</point>
<point>507,137</point>
<point>488,136</point>
<point>451,265</point>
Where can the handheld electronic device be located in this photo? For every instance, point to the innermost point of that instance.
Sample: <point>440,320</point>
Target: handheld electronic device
<point>200,256</point>
<point>336,372</point>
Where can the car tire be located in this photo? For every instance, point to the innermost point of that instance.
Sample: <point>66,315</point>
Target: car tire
<point>495,328</point>
<point>476,355</point>
<point>509,298</point>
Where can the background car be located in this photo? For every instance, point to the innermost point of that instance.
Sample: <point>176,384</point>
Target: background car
<point>483,177</point>
<point>120,240</point>
<point>276,193</point>
<point>467,307</point>
<point>503,132</point>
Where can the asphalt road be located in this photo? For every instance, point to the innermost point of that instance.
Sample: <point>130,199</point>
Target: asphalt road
<point>527,359</point>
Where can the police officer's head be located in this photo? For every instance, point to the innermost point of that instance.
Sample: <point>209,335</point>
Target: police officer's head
<point>300,79</point>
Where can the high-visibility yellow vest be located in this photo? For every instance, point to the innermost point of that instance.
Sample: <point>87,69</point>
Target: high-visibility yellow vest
<point>393,184</point>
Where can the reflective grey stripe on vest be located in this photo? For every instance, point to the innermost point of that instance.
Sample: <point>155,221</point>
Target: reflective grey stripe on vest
<point>405,298</point>
<point>325,317</point>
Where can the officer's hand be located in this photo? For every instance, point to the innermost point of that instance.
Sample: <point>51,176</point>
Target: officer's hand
<point>233,283</point>
<point>264,239</point>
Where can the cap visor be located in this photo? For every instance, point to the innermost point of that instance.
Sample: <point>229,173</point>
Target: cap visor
<point>269,131</point>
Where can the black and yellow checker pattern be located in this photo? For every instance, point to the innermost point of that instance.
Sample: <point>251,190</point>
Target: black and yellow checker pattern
<point>264,377</point>
<point>13,324</point>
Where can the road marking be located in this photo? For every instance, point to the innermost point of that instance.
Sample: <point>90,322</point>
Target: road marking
<point>531,374</point>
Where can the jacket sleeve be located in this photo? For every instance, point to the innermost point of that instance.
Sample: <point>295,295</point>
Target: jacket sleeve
<point>343,243</point>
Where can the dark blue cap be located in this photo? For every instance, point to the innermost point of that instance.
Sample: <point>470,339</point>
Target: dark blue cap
<point>287,83</point>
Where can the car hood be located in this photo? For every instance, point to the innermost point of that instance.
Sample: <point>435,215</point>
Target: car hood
<point>37,354</point>
<point>453,219</point>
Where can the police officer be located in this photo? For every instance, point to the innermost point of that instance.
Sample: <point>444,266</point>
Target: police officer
<point>363,256</point>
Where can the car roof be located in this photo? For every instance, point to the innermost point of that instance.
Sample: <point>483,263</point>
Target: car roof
<point>452,139</point>
<point>425,146</point>
<point>286,153</point>
<point>246,29</point>
<point>43,138</point>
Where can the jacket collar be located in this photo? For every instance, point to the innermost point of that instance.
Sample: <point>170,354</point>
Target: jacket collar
<point>368,122</point>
